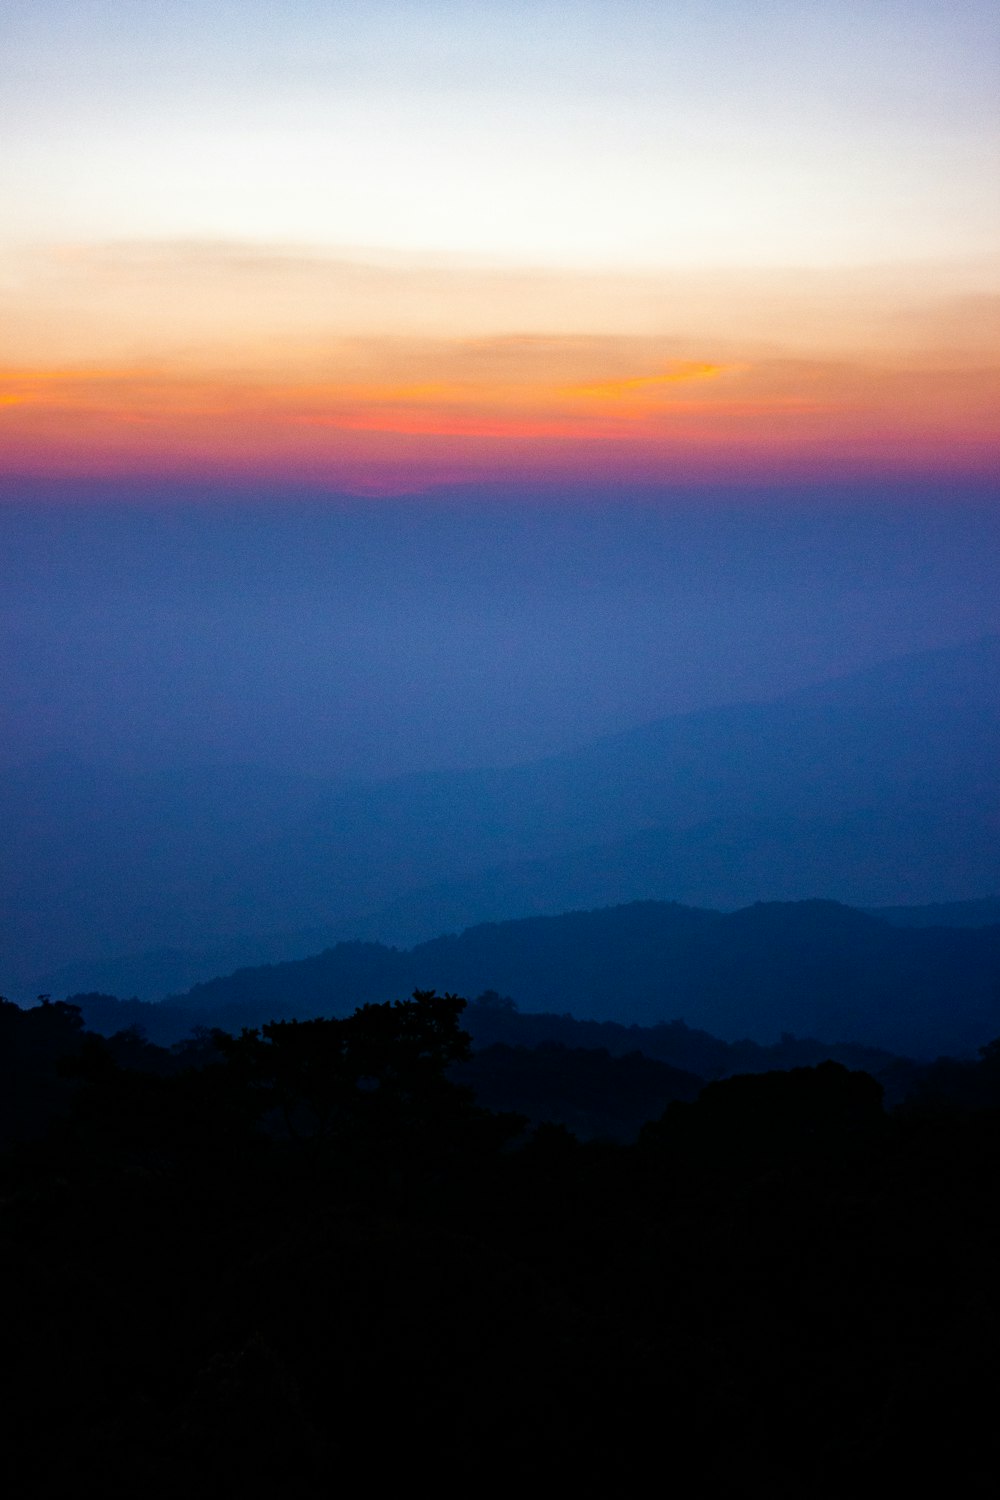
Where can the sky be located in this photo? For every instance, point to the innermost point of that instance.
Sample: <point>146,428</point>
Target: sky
<point>371,637</point>
<point>385,247</point>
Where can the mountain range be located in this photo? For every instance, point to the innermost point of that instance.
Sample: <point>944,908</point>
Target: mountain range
<point>875,789</point>
<point>812,969</point>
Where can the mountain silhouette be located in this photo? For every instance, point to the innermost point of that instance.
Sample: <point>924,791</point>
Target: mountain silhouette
<point>810,969</point>
<point>877,789</point>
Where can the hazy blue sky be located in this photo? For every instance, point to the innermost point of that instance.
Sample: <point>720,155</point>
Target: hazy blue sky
<point>371,637</point>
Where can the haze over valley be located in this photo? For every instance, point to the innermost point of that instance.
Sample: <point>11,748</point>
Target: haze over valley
<point>875,789</point>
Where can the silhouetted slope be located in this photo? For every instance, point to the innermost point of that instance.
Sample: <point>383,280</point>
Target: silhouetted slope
<point>689,1051</point>
<point>877,788</point>
<point>168,971</point>
<point>498,895</point>
<point>811,968</point>
<point>871,783</point>
<point>982,913</point>
<point>853,858</point>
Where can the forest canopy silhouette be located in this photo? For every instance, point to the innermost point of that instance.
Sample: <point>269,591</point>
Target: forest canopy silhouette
<point>249,1258</point>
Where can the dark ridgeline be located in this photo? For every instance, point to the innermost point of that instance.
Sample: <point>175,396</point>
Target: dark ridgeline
<point>808,969</point>
<point>878,788</point>
<point>280,1260</point>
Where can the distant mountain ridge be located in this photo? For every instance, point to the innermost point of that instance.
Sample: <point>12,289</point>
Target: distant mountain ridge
<point>812,968</point>
<point>917,741</point>
<point>982,913</point>
<point>723,864</point>
<point>152,976</point>
<point>877,789</point>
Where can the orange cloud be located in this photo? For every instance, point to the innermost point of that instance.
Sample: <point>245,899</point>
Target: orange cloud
<point>616,390</point>
<point>405,413</point>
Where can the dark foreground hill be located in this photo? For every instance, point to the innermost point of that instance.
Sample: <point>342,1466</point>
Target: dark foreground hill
<point>812,968</point>
<point>269,1263</point>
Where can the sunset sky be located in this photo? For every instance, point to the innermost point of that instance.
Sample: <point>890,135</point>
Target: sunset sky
<point>382,247</point>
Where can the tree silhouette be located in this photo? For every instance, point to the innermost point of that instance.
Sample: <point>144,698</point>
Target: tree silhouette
<point>335,1077</point>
